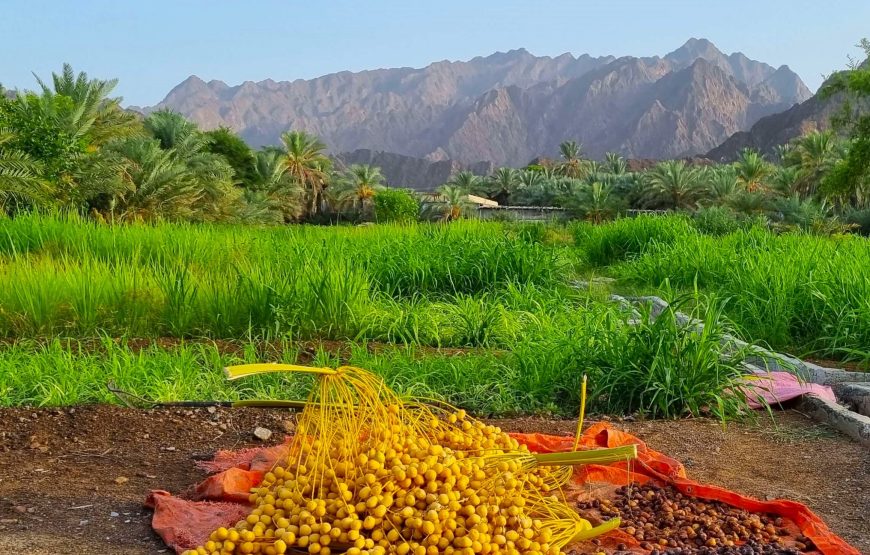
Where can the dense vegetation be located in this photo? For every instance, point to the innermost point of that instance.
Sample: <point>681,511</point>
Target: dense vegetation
<point>71,146</point>
<point>122,227</point>
<point>794,291</point>
<point>499,293</point>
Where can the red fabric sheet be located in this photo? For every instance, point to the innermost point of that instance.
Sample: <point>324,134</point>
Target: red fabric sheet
<point>779,387</point>
<point>222,499</point>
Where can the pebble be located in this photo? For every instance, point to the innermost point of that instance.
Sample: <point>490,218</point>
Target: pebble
<point>113,514</point>
<point>262,434</point>
<point>121,480</point>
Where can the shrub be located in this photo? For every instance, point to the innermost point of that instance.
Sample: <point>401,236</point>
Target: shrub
<point>629,237</point>
<point>860,219</point>
<point>669,370</point>
<point>396,205</point>
<point>716,220</point>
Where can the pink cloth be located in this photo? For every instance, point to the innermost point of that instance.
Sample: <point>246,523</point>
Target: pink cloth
<point>778,387</point>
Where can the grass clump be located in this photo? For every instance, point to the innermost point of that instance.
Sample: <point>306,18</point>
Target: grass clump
<point>792,291</point>
<point>604,245</point>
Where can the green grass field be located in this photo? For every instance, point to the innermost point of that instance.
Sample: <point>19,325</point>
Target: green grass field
<point>798,292</point>
<point>498,295</point>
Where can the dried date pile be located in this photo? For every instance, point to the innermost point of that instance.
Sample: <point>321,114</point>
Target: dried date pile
<point>665,521</point>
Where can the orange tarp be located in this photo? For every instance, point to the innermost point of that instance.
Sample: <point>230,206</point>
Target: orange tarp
<point>184,524</point>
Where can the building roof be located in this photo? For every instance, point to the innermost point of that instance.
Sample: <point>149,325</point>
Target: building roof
<point>480,201</point>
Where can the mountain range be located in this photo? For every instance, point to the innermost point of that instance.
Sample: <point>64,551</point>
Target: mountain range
<point>509,107</point>
<point>814,114</point>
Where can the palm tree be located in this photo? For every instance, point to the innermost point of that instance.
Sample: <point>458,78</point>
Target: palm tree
<point>358,186</point>
<point>503,184</point>
<point>814,154</point>
<point>187,145</point>
<point>172,175</point>
<point>794,210</point>
<point>454,203</point>
<point>255,206</point>
<point>572,159</point>
<point>173,130</point>
<point>784,179</point>
<point>595,202</point>
<point>19,174</point>
<point>673,184</point>
<point>529,179</point>
<point>783,152</point>
<point>270,178</point>
<point>752,170</point>
<point>68,123</point>
<point>308,165</point>
<point>722,183</point>
<point>470,183</point>
<point>158,184</point>
<point>96,118</point>
<point>615,164</point>
<point>750,202</point>
<point>591,169</point>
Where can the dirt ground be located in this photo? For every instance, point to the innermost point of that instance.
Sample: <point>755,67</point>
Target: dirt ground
<point>73,480</point>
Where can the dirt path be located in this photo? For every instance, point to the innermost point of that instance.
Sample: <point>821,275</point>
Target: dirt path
<point>63,471</point>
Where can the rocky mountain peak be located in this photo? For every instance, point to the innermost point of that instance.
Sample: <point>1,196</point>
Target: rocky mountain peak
<point>509,106</point>
<point>694,49</point>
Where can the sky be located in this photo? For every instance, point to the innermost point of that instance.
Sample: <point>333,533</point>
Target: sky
<point>152,45</point>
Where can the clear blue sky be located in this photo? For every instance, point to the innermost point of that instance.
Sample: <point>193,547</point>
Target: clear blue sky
<point>152,45</point>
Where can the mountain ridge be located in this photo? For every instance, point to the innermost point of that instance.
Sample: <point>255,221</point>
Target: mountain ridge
<point>507,107</point>
<point>814,114</point>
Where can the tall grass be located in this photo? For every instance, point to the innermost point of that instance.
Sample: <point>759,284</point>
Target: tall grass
<point>497,292</point>
<point>64,276</point>
<point>792,291</point>
<point>604,245</point>
<point>632,368</point>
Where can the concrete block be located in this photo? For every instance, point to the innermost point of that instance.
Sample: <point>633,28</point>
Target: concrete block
<point>856,395</point>
<point>852,424</point>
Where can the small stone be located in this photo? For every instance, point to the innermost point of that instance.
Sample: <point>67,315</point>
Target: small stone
<point>262,434</point>
<point>113,514</point>
<point>169,448</point>
<point>83,522</point>
<point>211,410</point>
<point>289,426</point>
<point>121,480</point>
